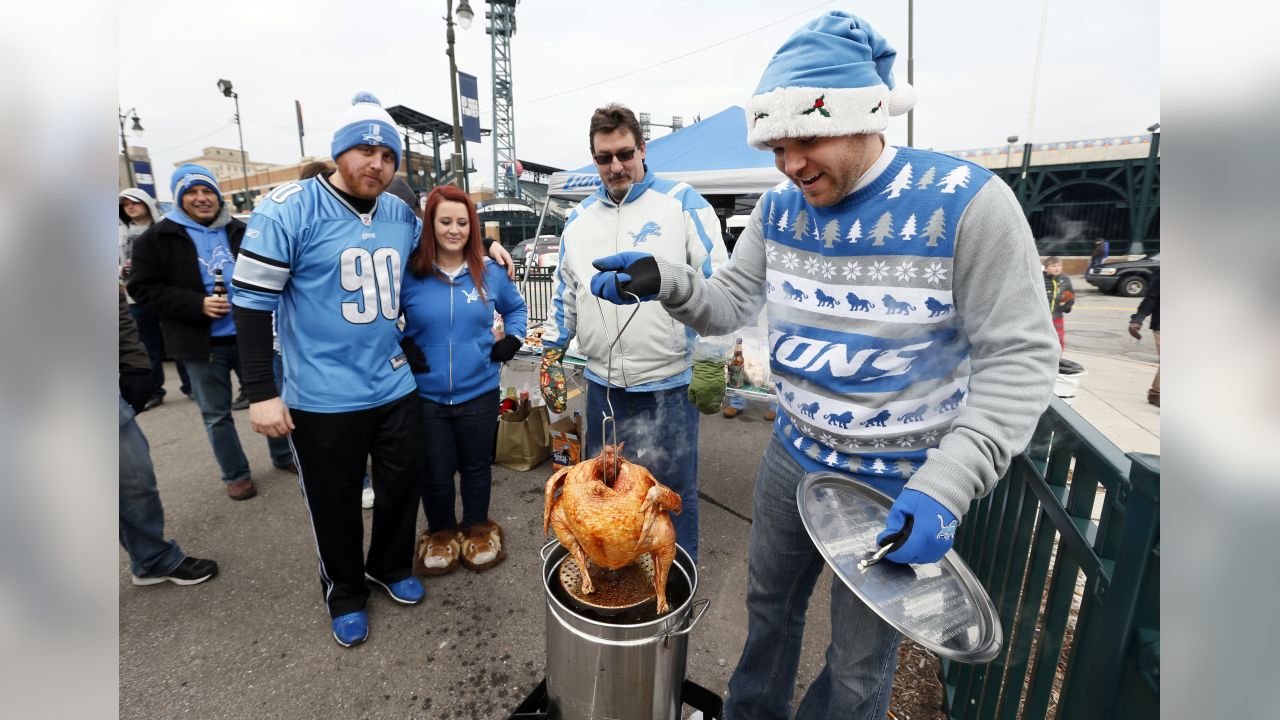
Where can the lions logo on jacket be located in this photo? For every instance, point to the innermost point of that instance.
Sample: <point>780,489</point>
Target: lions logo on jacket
<point>649,229</point>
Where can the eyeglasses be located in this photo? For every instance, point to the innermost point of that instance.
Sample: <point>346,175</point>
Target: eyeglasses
<point>622,155</point>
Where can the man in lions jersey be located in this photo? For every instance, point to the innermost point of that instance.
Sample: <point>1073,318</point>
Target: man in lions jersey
<point>326,255</point>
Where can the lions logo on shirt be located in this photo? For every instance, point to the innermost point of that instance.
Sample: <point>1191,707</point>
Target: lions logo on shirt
<point>218,259</point>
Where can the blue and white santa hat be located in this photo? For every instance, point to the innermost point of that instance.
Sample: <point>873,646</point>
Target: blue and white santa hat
<point>365,123</point>
<point>188,176</point>
<point>833,77</point>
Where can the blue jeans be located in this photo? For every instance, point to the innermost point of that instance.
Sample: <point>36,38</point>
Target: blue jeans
<point>211,385</point>
<point>458,439</point>
<point>660,430</point>
<point>782,569</point>
<point>141,515</point>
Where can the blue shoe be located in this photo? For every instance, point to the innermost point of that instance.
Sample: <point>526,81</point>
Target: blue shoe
<point>351,629</point>
<point>406,592</point>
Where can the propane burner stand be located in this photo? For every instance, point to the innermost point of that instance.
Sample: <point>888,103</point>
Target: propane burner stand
<point>537,705</point>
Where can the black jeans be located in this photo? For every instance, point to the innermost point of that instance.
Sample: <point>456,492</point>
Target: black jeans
<point>458,439</point>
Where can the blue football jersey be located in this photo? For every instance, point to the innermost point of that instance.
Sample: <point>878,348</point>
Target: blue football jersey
<point>332,276</point>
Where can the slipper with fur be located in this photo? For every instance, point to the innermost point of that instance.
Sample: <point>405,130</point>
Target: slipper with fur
<point>482,546</point>
<point>437,552</point>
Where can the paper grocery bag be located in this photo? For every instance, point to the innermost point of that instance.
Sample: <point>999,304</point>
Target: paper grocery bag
<point>523,438</point>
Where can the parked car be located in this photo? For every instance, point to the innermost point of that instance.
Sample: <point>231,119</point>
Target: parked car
<point>544,252</point>
<point>1128,278</point>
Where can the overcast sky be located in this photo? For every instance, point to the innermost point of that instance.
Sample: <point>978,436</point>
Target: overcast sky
<point>974,66</point>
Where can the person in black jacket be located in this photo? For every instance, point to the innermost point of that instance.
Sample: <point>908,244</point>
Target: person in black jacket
<point>1150,306</point>
<point>176,264</point>
<point>152,558</point>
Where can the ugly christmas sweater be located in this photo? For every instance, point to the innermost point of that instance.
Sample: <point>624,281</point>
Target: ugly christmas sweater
<point>908,334</point>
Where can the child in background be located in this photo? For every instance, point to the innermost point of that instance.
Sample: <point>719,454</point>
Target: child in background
<point>1061,296</point>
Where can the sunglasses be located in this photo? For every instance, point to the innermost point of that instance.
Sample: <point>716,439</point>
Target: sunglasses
<point>622,155</point>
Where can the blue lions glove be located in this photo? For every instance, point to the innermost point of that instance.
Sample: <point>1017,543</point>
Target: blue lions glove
<point>921,529</point>
<point>627,272</point>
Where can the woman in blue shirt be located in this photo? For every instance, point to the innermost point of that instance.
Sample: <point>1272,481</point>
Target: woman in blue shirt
<point>448,305</point>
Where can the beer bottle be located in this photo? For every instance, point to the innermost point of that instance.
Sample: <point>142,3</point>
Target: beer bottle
<point>737,366</point>
<point>219,287</point>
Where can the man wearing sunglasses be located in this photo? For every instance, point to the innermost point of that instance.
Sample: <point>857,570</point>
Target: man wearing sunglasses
<point>649,367</point>
<point>910,347</point>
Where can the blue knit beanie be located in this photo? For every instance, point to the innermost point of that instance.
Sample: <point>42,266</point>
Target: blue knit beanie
<point>833,77</point>
<point>365,123</point>
<point>190,175</point>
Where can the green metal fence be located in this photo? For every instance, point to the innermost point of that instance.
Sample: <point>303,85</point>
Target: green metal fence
<point>1034,543</point>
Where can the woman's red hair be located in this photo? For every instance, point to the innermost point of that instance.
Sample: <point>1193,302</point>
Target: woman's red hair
<point>423,262</point>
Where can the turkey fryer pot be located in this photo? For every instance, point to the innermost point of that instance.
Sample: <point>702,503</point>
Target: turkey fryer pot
<point>627,671</point>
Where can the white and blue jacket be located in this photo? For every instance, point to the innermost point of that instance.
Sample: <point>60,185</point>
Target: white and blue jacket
<point>451,323</point>
<point>664,218</point>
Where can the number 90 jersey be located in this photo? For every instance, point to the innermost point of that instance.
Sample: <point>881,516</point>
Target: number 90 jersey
<point>332,276</point>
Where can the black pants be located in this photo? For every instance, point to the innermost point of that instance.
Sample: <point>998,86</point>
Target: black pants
<point>331,449</point>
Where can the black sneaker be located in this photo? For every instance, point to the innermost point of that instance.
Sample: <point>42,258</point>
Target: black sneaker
<point>241,402</point>
<point>152,401</point>
<point>190,571</point>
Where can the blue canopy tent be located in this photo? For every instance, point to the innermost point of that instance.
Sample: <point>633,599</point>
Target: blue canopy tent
<point>711,155</point>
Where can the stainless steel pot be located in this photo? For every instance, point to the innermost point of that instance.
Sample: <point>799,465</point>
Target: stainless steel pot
<point>598,670</point>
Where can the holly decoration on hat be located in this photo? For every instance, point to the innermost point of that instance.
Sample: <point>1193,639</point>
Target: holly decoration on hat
<point>818,105</point>
<point>877,107</point>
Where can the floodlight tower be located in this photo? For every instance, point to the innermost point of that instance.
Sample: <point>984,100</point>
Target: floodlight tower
<point>502,25</point>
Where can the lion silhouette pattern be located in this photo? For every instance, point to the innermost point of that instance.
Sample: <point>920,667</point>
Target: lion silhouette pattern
<point>768,288</point>
<point>878,420</point>
<point>792,293</point>
<point>952,402</point>
<point>896,307</point>
<point>791,397</point>
<point>809,409</point>
<point>857,304</point>
<point>842,420</point>
<point>648,230</point>
<point>936,308</point>
<point>915,415</point>
<point>825,300</point>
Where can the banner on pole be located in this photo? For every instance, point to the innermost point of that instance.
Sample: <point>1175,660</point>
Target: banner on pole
<point>469,105</point>
<point>142,176</point>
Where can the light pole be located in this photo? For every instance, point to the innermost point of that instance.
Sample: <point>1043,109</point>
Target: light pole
<point>911,75</point>
<point>464,19</point>
<point>225,87</point>
<point>1147,203</point>
<point>124,144</point>
<point>1008,151</point>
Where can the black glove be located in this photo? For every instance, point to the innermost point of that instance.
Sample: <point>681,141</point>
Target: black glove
<point>505,349</point>
<point>413,353</point>
<point>136,387</point>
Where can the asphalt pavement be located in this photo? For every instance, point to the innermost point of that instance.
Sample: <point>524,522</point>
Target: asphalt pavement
<point>254,642</point>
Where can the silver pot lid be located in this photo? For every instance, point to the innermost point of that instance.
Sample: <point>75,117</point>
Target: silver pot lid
<point>941,606</point>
